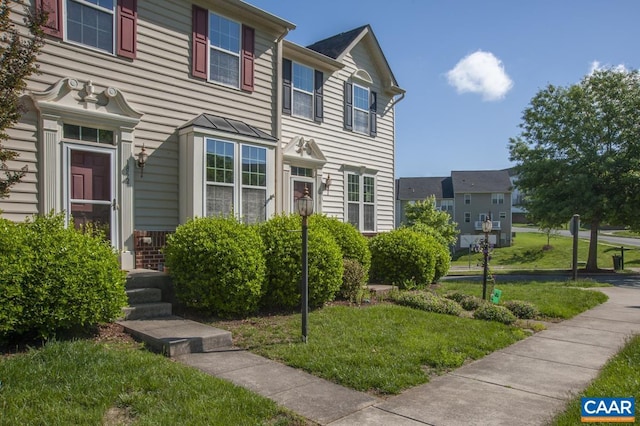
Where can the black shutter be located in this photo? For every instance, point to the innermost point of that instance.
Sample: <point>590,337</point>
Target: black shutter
<point>286,86</point>
<point>318,112</point>
<point>373,117</point>
<point>348,106</point>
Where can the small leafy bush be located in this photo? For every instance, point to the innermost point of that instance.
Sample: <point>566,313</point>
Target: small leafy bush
<point>283,250</point>
<point>55,278</point>
<point>426,301</point>
<point>402,257</point>
<point>353,281</point>
<point>443,259</point>
<point>468,303</point>
<point>352,243</point>
<point>456,295</point>
<point>490,312</point>
<point>521,309</point>
<point>217,265</point>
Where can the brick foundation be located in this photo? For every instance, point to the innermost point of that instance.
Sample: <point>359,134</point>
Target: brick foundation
<point>149,245</point>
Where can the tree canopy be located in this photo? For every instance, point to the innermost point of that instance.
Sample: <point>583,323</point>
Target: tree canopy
<point>424,216</point>
<point>579,153</point>
<point>17,62</point>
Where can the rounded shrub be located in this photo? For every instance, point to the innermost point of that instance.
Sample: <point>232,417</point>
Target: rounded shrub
<point>352,243</point>
<point>470,303</point>
<point>283,251</point>
<point>55,278</point>
<point>426,301</point>
<point>521,309</point>
<point>402,257</point>
<point>217,265</point>
<point>440,247</point>
<point>491,312</point>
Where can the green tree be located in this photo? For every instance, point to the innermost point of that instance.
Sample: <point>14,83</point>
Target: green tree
<point>17,62</point>
<point>426,218</point>
<point>579,153</point>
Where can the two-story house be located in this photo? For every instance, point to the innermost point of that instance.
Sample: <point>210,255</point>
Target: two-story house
<point>149,112</point>
<point>470,197</point>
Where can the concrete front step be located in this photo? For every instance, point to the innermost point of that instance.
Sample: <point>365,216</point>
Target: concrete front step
<point>138,296</point>
<point>173,336</point>
<point>147,310</point>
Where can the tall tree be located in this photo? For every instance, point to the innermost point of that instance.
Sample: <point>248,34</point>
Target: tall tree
<point>426,218</point>
<point>579,152</point>
<point>17,62</point>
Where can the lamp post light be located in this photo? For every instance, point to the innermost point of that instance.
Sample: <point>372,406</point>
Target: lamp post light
<point>486,228</point>
<point>304,206</point>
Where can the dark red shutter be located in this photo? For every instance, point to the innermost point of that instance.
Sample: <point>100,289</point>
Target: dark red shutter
<point>373,116</point>
<point>348,106</point>
<point>286,86</point>
<point>199,42</point>
<point>127,20</point>
<point>248,48</point>
<point>318,112</point>
<point>53,27</point>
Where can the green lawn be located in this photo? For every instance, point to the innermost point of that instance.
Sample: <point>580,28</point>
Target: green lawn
<point>619,378</point>
<point>88,383</point>
<point>530,251</point>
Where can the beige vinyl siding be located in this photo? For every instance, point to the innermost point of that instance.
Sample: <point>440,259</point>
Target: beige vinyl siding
<point>158,83</point>
<point>347,148</point>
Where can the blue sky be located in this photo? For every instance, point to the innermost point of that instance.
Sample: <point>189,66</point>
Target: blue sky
<point>470,67</point>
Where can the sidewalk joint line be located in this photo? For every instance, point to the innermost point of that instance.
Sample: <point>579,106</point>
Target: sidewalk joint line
<point>509,387</point>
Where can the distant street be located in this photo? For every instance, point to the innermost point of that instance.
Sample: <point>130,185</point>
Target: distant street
<point>586,235</point>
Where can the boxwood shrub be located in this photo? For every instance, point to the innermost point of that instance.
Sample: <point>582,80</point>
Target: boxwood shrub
<point>352,243</point>
<point>402,257</point>
<point>217,265</point>
<point>490,312</point>
<point>426,301</point>
<point>522,309</point>
<point>283,250</point>
<point>55,278</point>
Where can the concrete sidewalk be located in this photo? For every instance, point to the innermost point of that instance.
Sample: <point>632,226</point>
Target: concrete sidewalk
<point>526,383</point>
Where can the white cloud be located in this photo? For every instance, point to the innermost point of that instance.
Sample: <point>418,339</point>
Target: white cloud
<point>597,66</point>
<point>481,73</point>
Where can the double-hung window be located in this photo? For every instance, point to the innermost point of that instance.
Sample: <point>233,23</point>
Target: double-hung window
<point>446,206</point>
<point>224,50</point>
<point>361,201</point>
<point>236,180</point>
<point>91,23</point>
<point>302,105</point>
<point>467,199</point>
<point>497,198</point>
<point>360,109</point>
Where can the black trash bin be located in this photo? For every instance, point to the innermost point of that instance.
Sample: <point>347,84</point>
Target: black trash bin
<point>617,262</point>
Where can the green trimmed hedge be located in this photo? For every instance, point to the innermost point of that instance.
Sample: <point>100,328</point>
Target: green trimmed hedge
<point>55,278</point>
<point>217,265</point>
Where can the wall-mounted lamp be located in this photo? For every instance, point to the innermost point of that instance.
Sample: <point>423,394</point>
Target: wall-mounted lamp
<point>142,159</point>
<point>326,184</point>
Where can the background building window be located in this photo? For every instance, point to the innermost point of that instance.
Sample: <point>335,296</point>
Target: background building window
<point>467,217</point>
<point>497,198</point>
<point>467,198</point>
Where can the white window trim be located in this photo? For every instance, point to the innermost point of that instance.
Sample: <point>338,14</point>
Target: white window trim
<point>94,6</point>
<point>497,198</point>
<point>237,184</point>
<point>467,215</point>
<point>229,52</point>
<point>467,197</point>
<point>362,173</point>
<point>295,89</point>
<point>367,111</point>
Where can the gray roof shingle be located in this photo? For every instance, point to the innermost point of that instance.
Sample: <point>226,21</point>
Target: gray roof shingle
<point>419,188</point>
<point>481,181</point>
<point>335,45</point>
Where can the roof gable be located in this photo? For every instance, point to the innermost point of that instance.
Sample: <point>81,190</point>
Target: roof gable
<point>420,188</point>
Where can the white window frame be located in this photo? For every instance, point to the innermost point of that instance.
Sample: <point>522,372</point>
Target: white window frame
<point>361,203</point>
<point>467,199</point>
<point>446,205</point>
<point>238,185</point>
<point>497,198</point>
<point>503,215</point>
<point>300,90</point>
<point>467,217</point>
<point>84,3</point>
<point>367,111</point>
<point>211,46</point>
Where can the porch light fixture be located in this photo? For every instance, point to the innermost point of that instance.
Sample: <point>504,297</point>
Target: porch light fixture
<point>304,206</point>
<point>487,225</point>
<point>142,159</point>
<point>327,183</point>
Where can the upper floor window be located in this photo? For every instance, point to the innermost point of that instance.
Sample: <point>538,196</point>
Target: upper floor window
<point>446,205</point>
<point>467,198</point>
<point>302,91</point>
<point>223,50</point>
<point>497,198</point>
<point>360,109</point>
<point>97,24</point>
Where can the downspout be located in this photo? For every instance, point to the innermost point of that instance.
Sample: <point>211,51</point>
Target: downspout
<point>279,188</point>
<point>393,104</point>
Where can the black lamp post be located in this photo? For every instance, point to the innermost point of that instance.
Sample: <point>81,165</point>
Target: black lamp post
<point>486,228</point>
<point>304,205</point>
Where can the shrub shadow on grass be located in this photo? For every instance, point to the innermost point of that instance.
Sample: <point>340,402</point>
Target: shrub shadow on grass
<point>527,256</point>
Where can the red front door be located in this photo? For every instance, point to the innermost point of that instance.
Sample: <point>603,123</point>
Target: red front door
<point>90,193</point>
